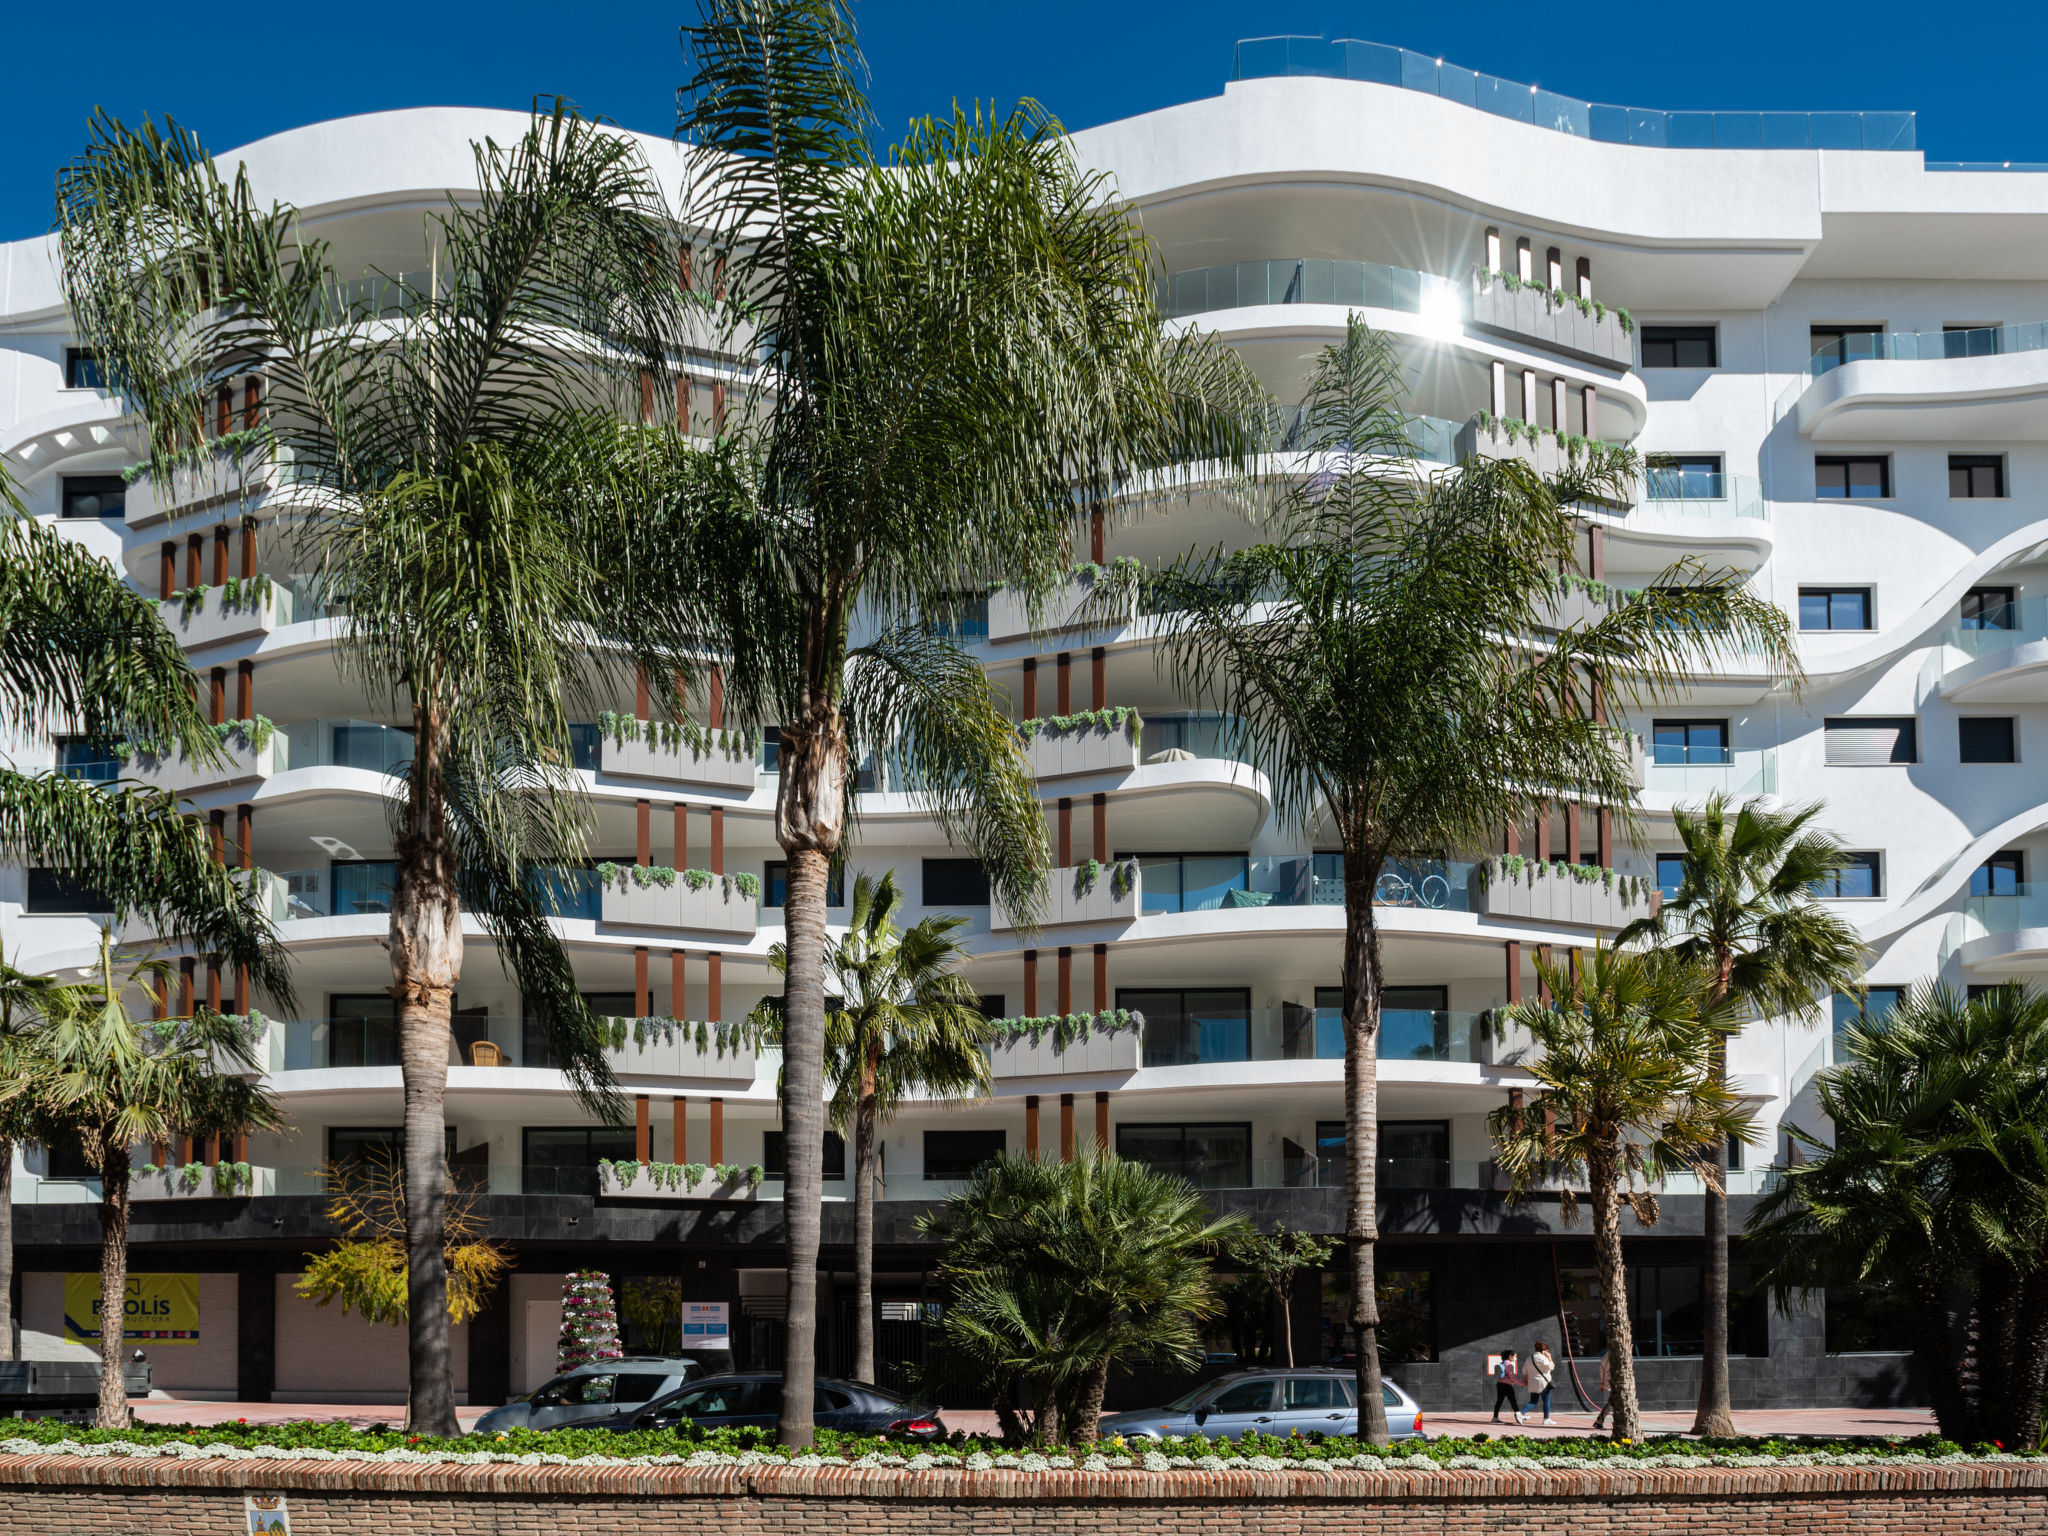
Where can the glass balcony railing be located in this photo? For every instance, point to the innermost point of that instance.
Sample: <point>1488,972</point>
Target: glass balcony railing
<point>1352,59</point>
<point>1296,1032</point>
<point>1329,1170</point>
<point>2000,627</point>
<point>1192,734</point>
<point>1291,280</point>
<point>1432,439</point>
<point>1689,493</point>
<point>337,743</point>
<point>1228,882</point>
<point>2023,905</point>
<point>338,890</point>
<point>1703,770</point>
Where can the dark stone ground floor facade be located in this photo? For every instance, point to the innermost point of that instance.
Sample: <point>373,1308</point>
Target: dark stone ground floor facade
<point>1463,1277</point>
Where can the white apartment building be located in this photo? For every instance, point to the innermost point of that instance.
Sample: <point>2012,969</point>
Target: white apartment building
<point>1834,358</point>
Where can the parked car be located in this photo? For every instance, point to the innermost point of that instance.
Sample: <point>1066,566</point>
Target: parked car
<point>1268,1402</point>
<point>593,1391</point>
<point>724,1402</point>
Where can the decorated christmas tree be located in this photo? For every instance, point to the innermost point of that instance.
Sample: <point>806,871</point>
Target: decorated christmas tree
<point>590,1321</point>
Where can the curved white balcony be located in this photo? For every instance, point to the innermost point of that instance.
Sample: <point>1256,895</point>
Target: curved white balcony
<point>1677,776</point>
<point>89,421</point>
<point>2000,657</point>
<point>1987,385</point>
<point>2001,934</point>
<point>1680,514</point>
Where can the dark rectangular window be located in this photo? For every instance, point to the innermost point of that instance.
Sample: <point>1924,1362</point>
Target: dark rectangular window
<point>1834,608</point>
<point>1680,346</point>
<point>1857,877</point>
<point>1670,874</point>
<point>1987,739</point>
<point>774,1155</point>
<point>955,883</point>
<point>1991,608</point>
<point>1973,475</point>
<point>775,884</point>
<point>1209,1156</point>
<point>771,749</point>
<point>79,758</point>
<point>586,745</point>
<point>1872,740</point>
<point>1194,882</point>
<point>956,1154</point>
<point>1875,1005</point>
<point>362,1030</point>
<point>1684,477</point>
<point>991,1005</point>
<point>82,369</point>
<point>1415,1025</point>
<point>1834,345</point>
<point>1969,341</point>
<point>1689,741</point>
<point>1186,1027</point>
<point>68,1159</point>
<point>94,496</point>
<point>373,1143</point>
<point>1838,479</point>
<point>363,885</point>
<point>563,1159</point>
<point>1415,1154</point>
<point>2000,875</point>
<point>55,892</point>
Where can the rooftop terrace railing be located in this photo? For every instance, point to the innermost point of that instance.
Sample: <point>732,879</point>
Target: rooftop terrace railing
<point>1348,58</point>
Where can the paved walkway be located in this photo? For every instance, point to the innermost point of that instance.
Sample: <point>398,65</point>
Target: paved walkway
<point>1760,1421</point>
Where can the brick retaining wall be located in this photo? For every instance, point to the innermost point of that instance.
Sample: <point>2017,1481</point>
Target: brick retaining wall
<point>63,1495</point>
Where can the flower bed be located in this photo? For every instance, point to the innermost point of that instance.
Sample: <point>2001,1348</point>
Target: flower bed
<point>752,1447</point>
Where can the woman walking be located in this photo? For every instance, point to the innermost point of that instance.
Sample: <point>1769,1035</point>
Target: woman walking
<point>1542,1370</point>
<point>1507,1375</point>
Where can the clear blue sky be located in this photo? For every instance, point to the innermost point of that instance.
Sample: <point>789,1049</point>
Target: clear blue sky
<point>1970,72</point>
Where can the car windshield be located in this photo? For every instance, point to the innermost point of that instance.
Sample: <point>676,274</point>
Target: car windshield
<point>1189,1399</point>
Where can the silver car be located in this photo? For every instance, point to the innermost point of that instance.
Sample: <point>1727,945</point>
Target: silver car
<point>594,1391</point>
<point>1269,1402</point>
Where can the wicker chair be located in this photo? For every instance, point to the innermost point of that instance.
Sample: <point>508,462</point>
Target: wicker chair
<point>484,1054</point>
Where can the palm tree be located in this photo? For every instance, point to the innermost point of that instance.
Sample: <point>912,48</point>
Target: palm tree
<point>1064,1271</point>
<point>909,1025</point>
<point>1627,1094</point>
<point>952,335</point>
<point>1276,1257</point>
<point>80,650</point>
<point>1368,650</point>
<point>1746,910</point>
<point>456,439</point>
<point>115,1082</point>
<point>1932,1191</point>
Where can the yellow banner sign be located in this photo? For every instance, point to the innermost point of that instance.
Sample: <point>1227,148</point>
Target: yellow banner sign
<point>158,1309</point>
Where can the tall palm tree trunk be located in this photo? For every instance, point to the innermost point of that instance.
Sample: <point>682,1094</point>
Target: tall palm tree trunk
<point>810,810</point>
<point>1714,1417</point>
<point>113,1403</point>
<point>426,963</point>
<point>1602,1175</point>
<point>1361,1134</point>
<point>6,1249</point>
<point>864,1223</point>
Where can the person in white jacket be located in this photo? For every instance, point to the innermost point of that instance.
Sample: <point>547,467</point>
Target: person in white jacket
<point>1542,1371</point>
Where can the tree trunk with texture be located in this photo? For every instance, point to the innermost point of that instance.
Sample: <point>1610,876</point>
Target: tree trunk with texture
<point>7,1323</point>
<point>426,963</point>
<point>113,1403</point>
<point>809,823</point>
<point>1045,1419</point>
<point>2027,1382</point>
<point>864,1226</point>
<point>1603,1175</point>
<point>1285,1288</point>
<point>1362,980</point>
<point>1005,1407</point>
<point>1714,1418</point>
<point>1087,1426</point>
<point>1940,1364</point>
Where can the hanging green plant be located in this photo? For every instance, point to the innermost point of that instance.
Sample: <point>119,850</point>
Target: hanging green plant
<point>1119,717</point>
<point>1069,1028</point>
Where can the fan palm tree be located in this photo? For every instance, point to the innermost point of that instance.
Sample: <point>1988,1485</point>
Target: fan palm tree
<point>908,1025</point>
<point>1627,1094</point>
<point>115,1082</point>
<point>953,336</point>
<point>1933,1189</point>
<point>1065,1271</point>
<point>456,440</point>
<point>1370,651</point>
<point>1746,910</point>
